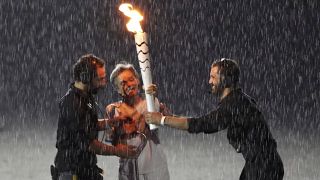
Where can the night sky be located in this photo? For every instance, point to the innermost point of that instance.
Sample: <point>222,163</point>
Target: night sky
<point>275,42</point>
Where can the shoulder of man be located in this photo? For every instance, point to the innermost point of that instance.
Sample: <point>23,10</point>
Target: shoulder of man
<point>71,100</point>
<point>66,97</point>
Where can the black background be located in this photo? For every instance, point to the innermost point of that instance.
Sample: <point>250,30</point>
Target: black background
<point>275,42</point>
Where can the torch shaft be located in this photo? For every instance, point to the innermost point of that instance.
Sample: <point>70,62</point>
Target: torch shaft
<point>144,63</point>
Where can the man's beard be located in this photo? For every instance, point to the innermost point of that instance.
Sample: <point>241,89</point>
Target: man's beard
<point>216,89</point>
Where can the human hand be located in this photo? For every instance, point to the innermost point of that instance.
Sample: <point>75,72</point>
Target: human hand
<point>151,89</point>
<point>165,110</point>
<point>110,108</point>
<point>125,151</point>
<point>114,122</point>
<point>124,111</point>
<point>153,117</point>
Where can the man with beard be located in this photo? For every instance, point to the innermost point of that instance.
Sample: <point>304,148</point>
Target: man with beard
<point>78,125</point>
<point>237,112</point>
<point>151,163</point>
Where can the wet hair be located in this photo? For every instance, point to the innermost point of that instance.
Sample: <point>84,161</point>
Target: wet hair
<point>85,69</point>
<point>119,69</point>
<point>229,70</point>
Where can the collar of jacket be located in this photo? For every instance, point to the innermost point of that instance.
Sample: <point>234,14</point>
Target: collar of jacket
<point>79,92</point>
<point>232,93</point>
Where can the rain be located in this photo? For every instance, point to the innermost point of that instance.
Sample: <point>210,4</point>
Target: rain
<point>276,44</point>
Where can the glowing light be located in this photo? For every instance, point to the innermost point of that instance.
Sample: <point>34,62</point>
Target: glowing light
<point>135,17</point>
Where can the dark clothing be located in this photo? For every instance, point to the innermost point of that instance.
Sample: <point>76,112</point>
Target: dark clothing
<point>77,127</point>
<point>247,132</point>
<point>266,166</point>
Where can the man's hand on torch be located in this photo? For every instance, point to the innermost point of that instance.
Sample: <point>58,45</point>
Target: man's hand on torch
<point>153,117</point>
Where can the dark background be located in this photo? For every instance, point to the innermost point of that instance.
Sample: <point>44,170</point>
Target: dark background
<point>275,42</point>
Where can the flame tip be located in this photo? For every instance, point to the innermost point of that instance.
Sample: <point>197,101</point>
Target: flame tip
<point>135,17</point>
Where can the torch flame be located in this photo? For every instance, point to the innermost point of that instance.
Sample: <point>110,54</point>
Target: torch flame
<point>135,17</point>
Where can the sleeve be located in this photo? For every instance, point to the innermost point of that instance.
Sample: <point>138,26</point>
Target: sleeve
<point>216,120</point>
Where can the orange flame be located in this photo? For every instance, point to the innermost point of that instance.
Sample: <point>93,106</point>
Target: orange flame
<point>135,17</point>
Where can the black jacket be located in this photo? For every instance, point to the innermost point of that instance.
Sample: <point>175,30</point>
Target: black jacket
<point>77,127</point>
<point>248,132</point>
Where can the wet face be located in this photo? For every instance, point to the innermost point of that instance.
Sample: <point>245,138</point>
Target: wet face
<point>214,80</point>
<point>100,81</point>
<point>127,83</point>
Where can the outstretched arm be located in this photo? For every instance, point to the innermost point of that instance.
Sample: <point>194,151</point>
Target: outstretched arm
<point>216,120</point>
<point>172,121</point>
<point>103,123</point>
<point>119,150</point>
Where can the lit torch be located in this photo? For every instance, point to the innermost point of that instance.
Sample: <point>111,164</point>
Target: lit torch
<point>142,50</point>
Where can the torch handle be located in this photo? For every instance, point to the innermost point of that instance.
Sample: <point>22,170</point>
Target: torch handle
<point>150,103</point>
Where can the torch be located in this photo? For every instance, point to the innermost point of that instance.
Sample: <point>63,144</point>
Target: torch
<point>142,51</point>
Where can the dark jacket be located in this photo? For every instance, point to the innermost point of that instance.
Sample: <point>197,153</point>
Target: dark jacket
<point>247,130</point>
<point>77,127</point>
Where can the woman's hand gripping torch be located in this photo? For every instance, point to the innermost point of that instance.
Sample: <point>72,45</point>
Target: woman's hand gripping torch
<point>142,50</point>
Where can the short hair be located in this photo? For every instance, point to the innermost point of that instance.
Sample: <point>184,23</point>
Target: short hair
<point>229,68</point>
<point>120,67</point>
<point>87,64</point>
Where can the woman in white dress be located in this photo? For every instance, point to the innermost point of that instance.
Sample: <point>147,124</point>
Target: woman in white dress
<point>151,163</point>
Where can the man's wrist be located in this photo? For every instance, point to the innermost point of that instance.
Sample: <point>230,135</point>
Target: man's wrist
<point>114,151</point>
<point>162,120</point>
<point>108,150</point>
